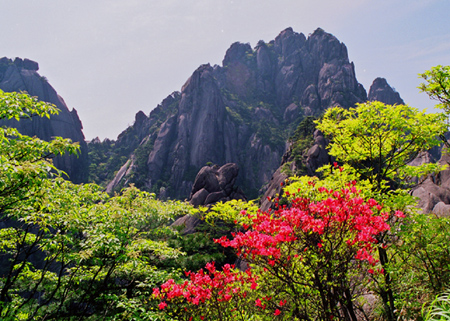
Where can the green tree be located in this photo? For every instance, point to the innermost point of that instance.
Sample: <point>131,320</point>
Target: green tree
<point>71,251</point>
<point>379,141</point>
<point>437,85</point>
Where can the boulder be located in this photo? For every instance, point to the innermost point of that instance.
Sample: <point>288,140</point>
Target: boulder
<point>213,184</point>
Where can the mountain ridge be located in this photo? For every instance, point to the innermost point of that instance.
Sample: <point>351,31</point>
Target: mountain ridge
<point>241,112</point>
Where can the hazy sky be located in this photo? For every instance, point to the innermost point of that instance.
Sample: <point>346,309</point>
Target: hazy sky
<point>110,59</point>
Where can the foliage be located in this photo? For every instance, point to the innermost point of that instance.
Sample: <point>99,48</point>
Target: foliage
<point>439,309</point>
<point>379,140</point>
<point>24,160</point>
<point>421,261</point>
<point>104,161</point>
<point>306,256</point>
<point>14,105</point>
<point>94,248</point>
<point>71,251</point>
<point>437,85</point>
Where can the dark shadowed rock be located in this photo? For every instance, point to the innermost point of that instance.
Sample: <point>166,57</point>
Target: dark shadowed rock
<point>227,177</point>
<point>21,75</point>
<point>212,184</point>
<point>381,91</point>
<point>207,178</point>
<point>236,53</point>
<point>317,155</point>
<point>199,197</point>
<point>215,197</point>
<point>242,112</point>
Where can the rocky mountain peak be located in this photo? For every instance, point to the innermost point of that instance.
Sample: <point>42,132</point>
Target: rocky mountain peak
<point>289,42</point>
<point>21,75</point>
<point>237,52</point>
<point>140,117</point>
<point>381,91</point>
<point>26,64</point>
<point>241,112</point>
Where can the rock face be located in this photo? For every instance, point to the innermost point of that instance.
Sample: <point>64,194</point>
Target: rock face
<point>434,192</point>
<point>22,75</point>
<point>212,184</point>
<point>317,155</point>
<point>242,112</point>
<point>381,91</point>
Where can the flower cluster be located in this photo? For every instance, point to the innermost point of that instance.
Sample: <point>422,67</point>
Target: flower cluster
<point>341,213</point>
<point>203,286</point>
<point>304,251</point>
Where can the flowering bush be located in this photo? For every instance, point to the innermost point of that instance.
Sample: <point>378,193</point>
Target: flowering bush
<point>209,295</point>
<point>314,255</point>
<point>309,259</point>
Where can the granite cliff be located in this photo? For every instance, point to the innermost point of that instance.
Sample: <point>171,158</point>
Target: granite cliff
<point>241,112</point>
<point>307,149</point>
<point>22,75</point>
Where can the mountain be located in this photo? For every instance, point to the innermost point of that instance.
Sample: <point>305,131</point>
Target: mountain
<point>241,112</point>
<point>381,91</point>
<point>308,151</point>
<point>21,75</point>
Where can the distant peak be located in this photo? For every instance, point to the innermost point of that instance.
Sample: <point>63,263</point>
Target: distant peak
<point>236,52</point>
<point>381,91</point>
<point>140,117</point>
<point>26,64</point>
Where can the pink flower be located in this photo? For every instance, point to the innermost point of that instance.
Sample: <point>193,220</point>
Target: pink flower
<point>277,312</point>
<point>399,214</point>
<point>162,305</point>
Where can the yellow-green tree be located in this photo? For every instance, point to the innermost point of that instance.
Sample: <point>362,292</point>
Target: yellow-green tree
<point>71,251</point>
<point>437,85</point>
<point>379,141</point>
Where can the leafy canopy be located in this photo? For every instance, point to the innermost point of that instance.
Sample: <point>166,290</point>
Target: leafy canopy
<point>71,251</point>
<point>379,140</point>
<point>437,85</point>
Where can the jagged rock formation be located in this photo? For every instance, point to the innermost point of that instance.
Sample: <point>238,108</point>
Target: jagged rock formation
<point>241,112</point>
<point>317,155</point>
<point>212,184</point>
<point>434,191</point>
<point>22,75</point>
<point>381,91</point>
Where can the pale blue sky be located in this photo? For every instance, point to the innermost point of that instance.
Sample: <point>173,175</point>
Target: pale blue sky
<point>112,58</point>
